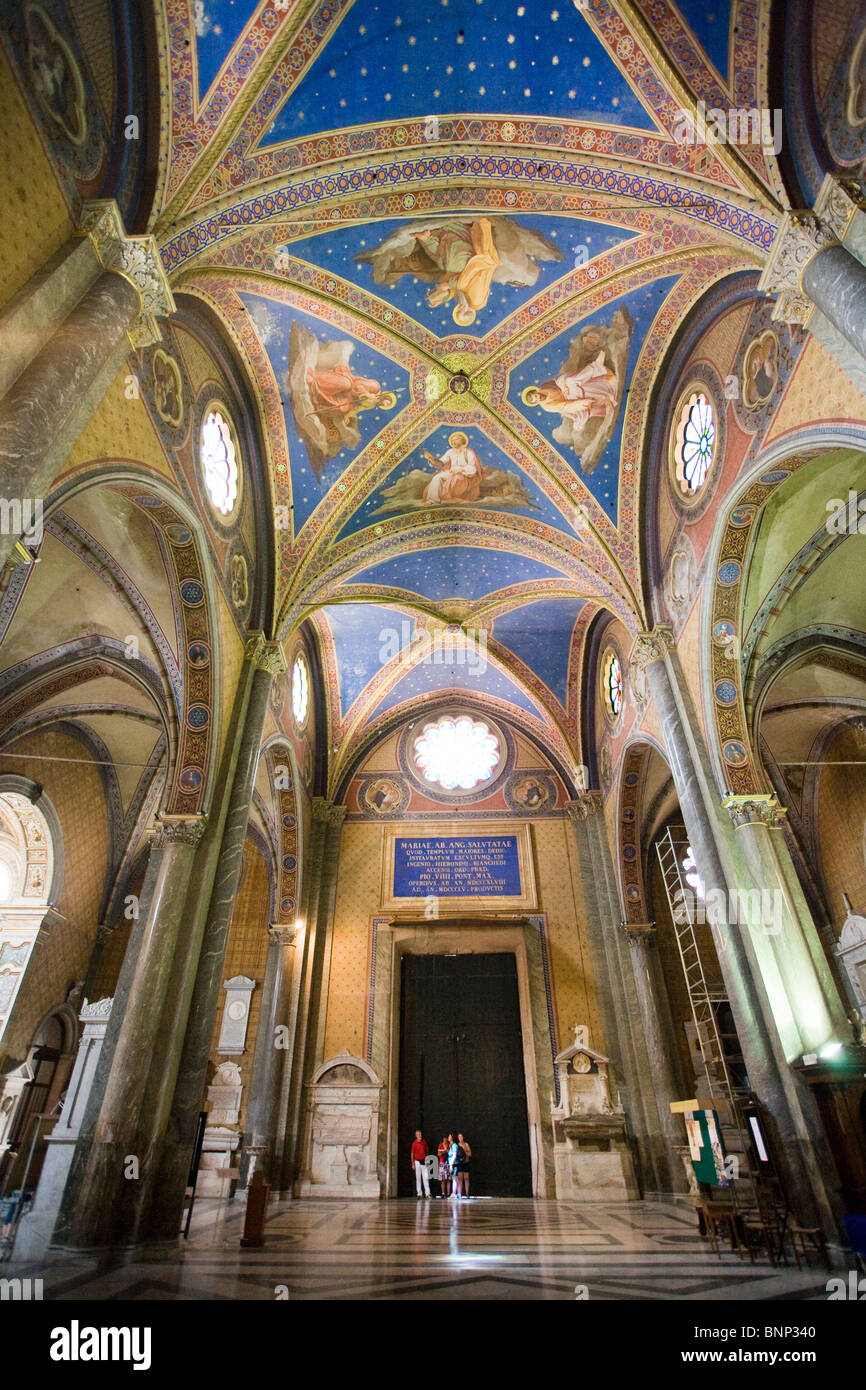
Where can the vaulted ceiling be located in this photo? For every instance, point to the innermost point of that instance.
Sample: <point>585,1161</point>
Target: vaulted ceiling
<point>430,232</point>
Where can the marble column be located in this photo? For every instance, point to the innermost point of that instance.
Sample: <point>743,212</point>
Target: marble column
<point>50,400</point>
<point>800,1148</point>
<point>658,1032</point>
<point>91,1204</point>
<point>269,1056</point>
<point>35,313</point>
<point>321,880</point>
<point>163,1219</point>
<point>616,990</point>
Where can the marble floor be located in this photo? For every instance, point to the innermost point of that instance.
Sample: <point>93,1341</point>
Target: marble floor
<point>428,1250</point>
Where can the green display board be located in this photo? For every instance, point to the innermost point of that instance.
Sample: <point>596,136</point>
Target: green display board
<point>706,1147</point>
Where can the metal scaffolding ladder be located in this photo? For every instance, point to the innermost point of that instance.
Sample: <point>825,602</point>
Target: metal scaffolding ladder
<point>704,999</point>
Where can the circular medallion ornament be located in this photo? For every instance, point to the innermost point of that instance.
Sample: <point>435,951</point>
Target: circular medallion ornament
<point>741,517</point>
<point>723,632</point>
<point>734,754</point>
<point>760,369</point>
<point>725,693</point>
<point>192,593</point>
<point>197,717</point>
<point>198,654</point>
<point>729,572</point>
<point>776,475</point>
<point>190,779</point>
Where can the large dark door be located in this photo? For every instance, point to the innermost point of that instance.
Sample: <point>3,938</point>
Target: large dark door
<point>461,1067</point>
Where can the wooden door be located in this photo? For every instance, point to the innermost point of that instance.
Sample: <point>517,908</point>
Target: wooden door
<point>461,1067</point>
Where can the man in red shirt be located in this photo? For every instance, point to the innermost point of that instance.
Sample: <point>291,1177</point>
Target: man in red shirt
<point>419,1153</point>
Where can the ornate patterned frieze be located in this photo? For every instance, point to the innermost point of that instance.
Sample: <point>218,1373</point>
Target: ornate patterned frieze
<point>651,646</point>
<point>326,811</point>
<point>587,804</point>
<point>177,830</point>
<point>137,259</point>
<point>754,810</point>
<point>801,236</point>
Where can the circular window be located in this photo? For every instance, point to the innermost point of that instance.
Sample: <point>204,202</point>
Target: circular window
<point>611,678</point>
<point>219,464</point>
<point>694,444</point>
<point>456,752</point>
<point>300,690</point>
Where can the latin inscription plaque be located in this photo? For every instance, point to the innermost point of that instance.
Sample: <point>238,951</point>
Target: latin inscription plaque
<point>456,866</point>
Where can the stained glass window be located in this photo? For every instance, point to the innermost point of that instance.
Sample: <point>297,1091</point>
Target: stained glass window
<point>219,462</point>
<point>300,690</point>
<point>456,752</point>
<point>695,442</point>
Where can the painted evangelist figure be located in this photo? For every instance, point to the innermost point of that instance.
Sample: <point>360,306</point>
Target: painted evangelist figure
<point>459,479</point>
<point>462,258</point>
<point>587,389</point>
<point>327,395</point>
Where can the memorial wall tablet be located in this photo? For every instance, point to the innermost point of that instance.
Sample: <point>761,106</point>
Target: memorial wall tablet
<point>485,870</point>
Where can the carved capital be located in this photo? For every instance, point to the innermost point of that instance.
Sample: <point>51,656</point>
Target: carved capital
<point>586,804</point>
<point>99,1009</point>
<point>651,646</point>
<point>754,809</point>
<point>326,812</point>
<point>264,655</point>
<point>280,934</point>
<point>137,259</point>
<point>799,239</point>
<point>640,933</point>
<point>177,830</point>
<point>838,203</point>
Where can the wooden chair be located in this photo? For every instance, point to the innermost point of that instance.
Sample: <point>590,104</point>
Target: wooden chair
<point>805,1239</point>
<point>716,1216</point>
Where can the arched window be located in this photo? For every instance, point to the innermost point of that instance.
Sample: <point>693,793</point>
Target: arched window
<point>219,463</point>
<point>300,690</point>
<point>611,678</point>
<point>26,870</point>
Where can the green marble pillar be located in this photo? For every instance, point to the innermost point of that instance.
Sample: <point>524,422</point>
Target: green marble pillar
<point>269,1058</point>
<point>162,1221</point>
<point>92,1201</point>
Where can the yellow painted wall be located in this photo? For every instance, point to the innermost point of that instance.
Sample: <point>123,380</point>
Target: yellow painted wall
<point>358,899</point>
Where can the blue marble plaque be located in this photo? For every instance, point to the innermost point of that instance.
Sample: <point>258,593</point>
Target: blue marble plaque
<point>457,866</point>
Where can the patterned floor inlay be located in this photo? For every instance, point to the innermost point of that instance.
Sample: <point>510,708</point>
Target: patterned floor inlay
<point>484,1249</point>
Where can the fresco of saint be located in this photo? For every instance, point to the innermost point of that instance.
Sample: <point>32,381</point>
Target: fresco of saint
<point>463,257</point>
<point>587,389</point>
<point>327,395</point>
<point>460,479</point>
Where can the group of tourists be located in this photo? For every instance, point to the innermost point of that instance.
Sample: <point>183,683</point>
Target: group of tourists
<point>454,1157</point>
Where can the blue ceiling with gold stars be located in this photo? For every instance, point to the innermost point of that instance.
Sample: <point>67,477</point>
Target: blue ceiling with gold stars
<point>452,244</point>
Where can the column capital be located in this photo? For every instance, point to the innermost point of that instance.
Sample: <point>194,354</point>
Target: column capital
<point>586,804</point>
<point>99,1010</point>
<point>327,812</point>
<point>651,646</point>
<point>264,655</point>
<point>838,203</point>
<point>799,239</point>
<point>640,933</point>
<point>282,934</point>
<point>137,259</point>
<point>177,830</point>
<point>754,809</point>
